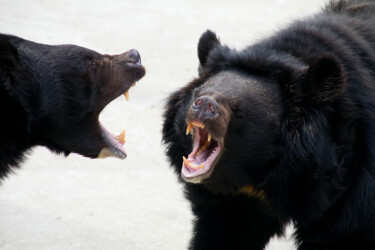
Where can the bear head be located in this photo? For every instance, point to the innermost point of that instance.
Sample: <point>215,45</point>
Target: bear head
<point>61,90</point>
<point>230,127</point>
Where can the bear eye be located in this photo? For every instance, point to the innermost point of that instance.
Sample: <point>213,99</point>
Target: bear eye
<point>238,112</point>
<point>92,67</point>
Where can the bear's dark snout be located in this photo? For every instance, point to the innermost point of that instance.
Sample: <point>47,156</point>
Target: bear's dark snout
<point>205,107</point>
<point>133,57</point>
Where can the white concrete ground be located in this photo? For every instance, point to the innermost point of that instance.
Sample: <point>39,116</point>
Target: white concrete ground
<point>54,202</point>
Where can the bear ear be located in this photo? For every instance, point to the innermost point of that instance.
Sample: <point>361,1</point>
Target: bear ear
<point>207,42</point>
<point>324,80</point>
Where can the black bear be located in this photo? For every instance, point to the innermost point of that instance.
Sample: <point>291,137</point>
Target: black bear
<point>53,95</point>
<point>282,132</point>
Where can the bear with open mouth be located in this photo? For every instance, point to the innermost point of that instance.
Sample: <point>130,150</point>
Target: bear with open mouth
<point>53,95</point>
<point>281,131</point>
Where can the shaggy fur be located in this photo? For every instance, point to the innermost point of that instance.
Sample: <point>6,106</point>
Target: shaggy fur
<point>304,137</point>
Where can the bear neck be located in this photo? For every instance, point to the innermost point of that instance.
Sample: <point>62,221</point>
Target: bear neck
<point>14,132</point>
<point>18,103</point>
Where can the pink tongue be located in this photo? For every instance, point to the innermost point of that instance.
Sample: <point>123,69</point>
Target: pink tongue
<point>200,158</point>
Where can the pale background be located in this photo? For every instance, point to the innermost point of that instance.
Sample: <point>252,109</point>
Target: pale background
<point>76,203</point>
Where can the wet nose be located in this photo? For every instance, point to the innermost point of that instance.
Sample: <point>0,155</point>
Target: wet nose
<point>134,57</point>
<point>205,107</point>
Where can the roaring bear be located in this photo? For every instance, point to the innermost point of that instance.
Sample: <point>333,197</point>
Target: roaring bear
<point>53,95</point>
<point>281,132</point>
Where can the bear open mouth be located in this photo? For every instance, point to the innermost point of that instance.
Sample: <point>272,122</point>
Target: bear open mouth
<point>206,150</point>
<point>115,144</point>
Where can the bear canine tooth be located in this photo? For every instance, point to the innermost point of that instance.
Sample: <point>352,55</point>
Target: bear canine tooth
<point>126,94</point>
<point>185,161</point>
<point>209,137</point>
<point>189,127</point>
<point>121,137</point>
<point>187,164</point>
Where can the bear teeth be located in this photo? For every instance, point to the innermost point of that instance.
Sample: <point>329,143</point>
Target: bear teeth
<point>189,127</point>
<point>197,124</point>
<point>126,94</point>
<point>188,164</point>
<point>121,137</point>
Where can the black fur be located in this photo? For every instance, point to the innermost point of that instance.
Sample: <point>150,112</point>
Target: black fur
<point>53,95</point>
<point>317,168</point>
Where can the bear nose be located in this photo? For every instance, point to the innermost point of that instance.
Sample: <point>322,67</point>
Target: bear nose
<point>205,107</point>
<point>134,57</point>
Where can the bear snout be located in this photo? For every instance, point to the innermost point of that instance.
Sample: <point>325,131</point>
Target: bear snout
<point>132,57</point>
<point>205,107</point>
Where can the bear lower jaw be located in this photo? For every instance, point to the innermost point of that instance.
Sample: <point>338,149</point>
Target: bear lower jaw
<point>194,173</point>
<point>114,145</point>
